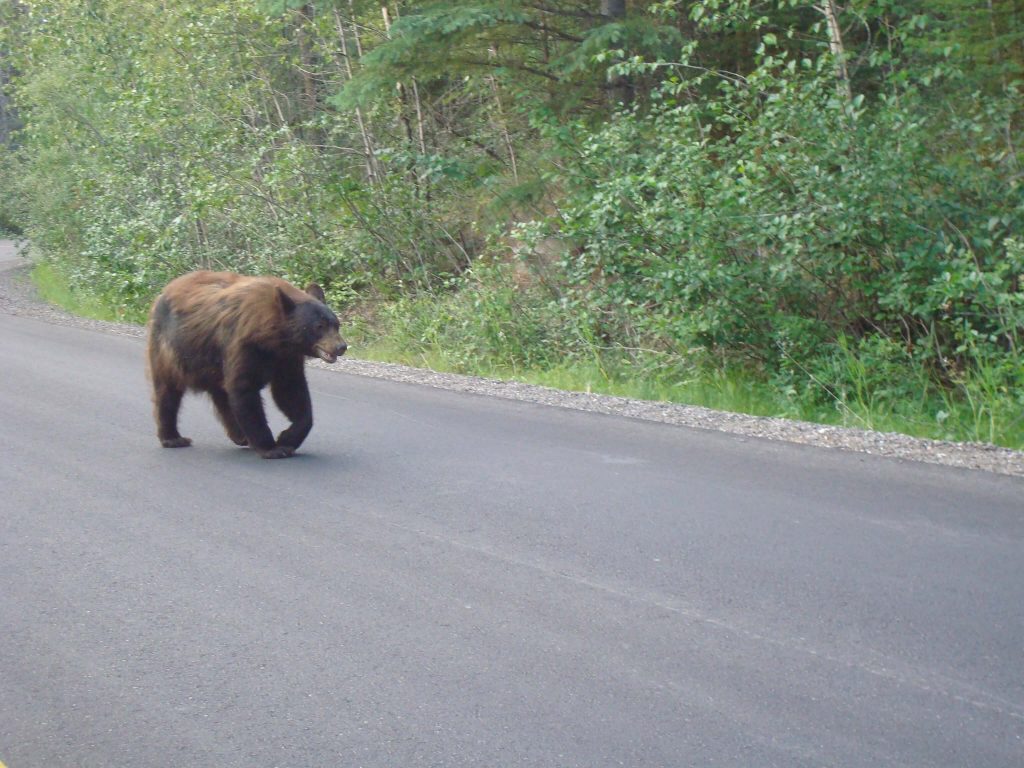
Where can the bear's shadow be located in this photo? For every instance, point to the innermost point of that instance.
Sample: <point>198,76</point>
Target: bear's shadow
<point>306,459</point>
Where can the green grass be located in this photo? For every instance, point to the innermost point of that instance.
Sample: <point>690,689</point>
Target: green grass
<point>976,410</point>
<point>55,287</point>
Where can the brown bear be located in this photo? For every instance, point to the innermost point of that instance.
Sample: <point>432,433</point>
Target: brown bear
<point>231,335</point>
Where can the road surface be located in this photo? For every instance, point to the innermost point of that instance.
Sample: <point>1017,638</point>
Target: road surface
<point>441,579</point>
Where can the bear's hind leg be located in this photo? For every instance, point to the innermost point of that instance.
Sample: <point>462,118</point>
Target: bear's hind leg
<point>167,401</point>
<point>227,417</point>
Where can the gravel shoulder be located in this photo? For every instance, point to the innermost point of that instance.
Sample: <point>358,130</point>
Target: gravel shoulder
<point>18,297</point>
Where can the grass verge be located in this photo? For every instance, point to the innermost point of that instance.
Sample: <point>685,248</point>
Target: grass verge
<point>55,287</point>
<point>852,390</point>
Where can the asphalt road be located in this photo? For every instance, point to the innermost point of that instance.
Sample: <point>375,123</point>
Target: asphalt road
<point>441,579</point>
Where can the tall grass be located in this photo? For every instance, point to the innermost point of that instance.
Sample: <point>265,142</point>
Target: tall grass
<point>865,385</point>
<point>57,288</point>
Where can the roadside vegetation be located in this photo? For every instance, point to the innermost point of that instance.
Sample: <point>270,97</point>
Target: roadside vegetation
<point>783,208</point>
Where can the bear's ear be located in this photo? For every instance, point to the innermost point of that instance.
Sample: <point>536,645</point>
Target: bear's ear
<point>316,292</point>
<point>287,302</point>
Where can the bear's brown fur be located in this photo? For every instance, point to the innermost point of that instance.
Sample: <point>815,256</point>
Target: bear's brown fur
<point>230,336</point>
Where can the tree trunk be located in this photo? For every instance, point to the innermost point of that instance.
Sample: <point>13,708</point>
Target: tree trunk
<point>835,43</point>
<point>620,91</point>
<point>371,161</point>
<point>306,67</point>
<point>403,99</point>
<point>502,122</point>
<point>420,130</point>
<point>615,9</point>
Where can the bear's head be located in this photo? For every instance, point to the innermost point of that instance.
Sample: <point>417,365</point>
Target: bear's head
<point>312,325</point>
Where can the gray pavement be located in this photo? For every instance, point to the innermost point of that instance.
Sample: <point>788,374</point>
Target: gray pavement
<point>442,579</point>
<point>9,251</point>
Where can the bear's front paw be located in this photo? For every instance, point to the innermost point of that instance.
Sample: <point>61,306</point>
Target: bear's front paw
<point>278,452</point>
<point>176,442</point>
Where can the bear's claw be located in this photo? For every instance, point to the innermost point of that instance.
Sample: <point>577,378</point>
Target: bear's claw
<point>176,442</point>
<point>278,452</point>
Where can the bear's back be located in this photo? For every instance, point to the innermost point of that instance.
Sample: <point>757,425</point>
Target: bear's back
<point>206,293</point>
<point>205,311</point>
<point>196,290</point>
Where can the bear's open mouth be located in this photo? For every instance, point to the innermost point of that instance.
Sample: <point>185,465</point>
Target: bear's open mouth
<point>326,355</point>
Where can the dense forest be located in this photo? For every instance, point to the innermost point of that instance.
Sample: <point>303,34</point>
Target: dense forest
<point>793,208</point>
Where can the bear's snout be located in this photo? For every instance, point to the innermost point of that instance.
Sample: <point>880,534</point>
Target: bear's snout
<point>329,351</point>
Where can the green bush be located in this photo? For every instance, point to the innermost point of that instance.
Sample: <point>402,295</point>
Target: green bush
<point>829,243</point>
<point>793,220</point>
